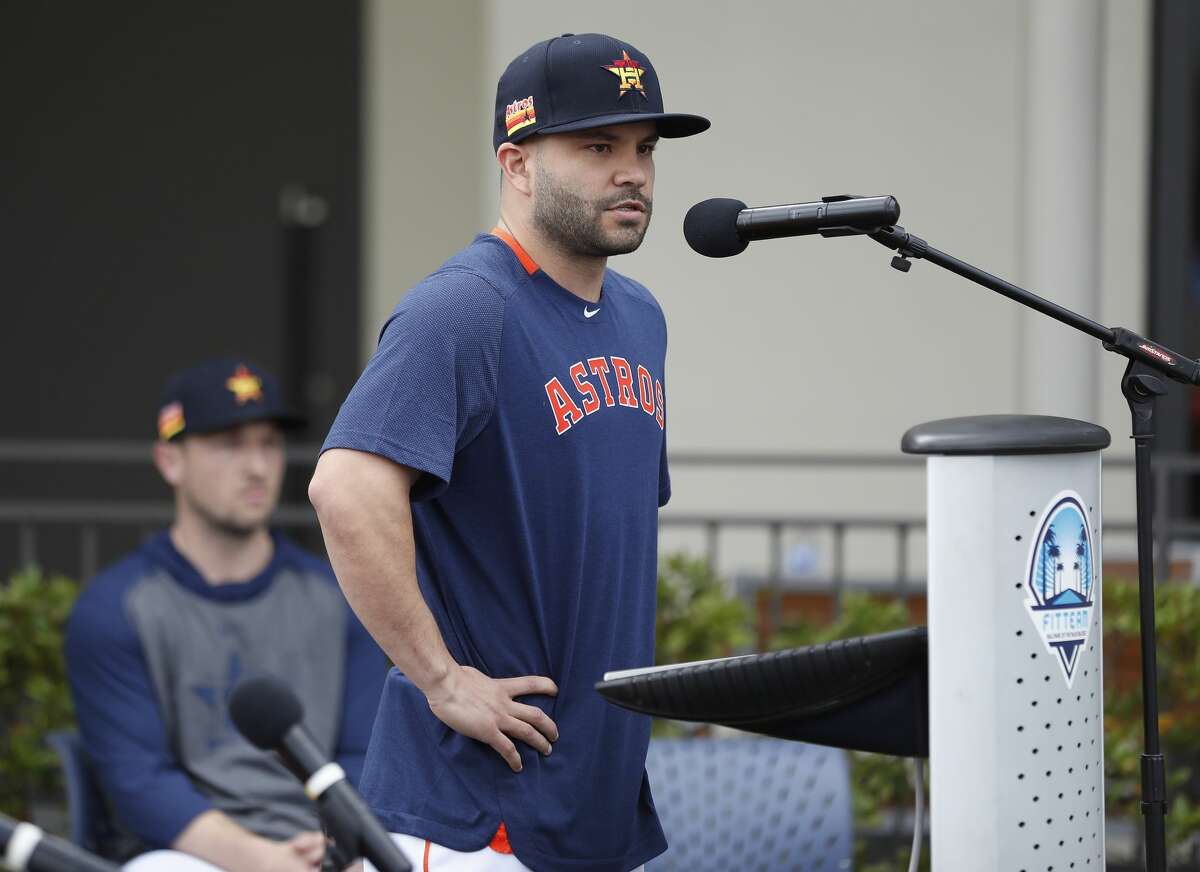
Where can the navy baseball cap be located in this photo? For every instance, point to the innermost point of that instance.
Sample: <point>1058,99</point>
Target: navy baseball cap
<point>218,395</point>
<point>580,81</point>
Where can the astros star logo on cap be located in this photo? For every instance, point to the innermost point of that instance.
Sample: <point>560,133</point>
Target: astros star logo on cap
<point>629,72</point>
<point>245,385</point>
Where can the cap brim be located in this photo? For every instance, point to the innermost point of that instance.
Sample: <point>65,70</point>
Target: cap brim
<point>671,125</point>
<point>285,420</point>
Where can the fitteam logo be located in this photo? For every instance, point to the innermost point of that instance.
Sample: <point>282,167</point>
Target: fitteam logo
<point>629,71</point>
<point>519,114</point>
<point>1061,581</point>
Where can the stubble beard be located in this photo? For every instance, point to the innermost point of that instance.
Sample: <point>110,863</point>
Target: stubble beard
<point>574,224</point>
<point>225,523</point>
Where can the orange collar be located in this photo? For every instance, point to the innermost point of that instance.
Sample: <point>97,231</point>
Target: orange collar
<point>522,255</point>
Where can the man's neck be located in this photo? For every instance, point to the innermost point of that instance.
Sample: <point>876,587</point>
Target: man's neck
<point>582,276</point>
<point>221,558</point>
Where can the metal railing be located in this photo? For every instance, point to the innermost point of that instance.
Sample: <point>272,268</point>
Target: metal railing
<point>30,517</point>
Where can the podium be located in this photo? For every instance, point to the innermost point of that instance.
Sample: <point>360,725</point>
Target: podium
<point>1016,704</point>
<point>1003,693</point>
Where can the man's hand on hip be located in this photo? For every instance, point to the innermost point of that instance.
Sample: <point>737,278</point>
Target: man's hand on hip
<point>485,708</point>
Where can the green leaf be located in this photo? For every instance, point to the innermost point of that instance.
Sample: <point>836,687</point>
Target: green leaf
<point>34,697</point>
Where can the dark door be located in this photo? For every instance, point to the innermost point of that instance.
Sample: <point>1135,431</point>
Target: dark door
<point>176,181</point>
<point>1174,252</point>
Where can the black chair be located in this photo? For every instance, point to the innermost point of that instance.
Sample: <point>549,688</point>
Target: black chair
<point>751,803</point>
<point>92,825</point>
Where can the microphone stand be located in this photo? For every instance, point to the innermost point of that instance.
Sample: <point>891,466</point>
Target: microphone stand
<point>1141,386</point>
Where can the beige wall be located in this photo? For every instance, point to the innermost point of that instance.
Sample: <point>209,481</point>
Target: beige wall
<point>422,171</point>
<point>808,344</point>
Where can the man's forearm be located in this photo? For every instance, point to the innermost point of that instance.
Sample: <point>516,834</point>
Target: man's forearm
<point>214,836</point>
<point>362,502</point>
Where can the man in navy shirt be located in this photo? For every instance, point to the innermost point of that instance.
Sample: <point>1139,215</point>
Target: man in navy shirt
<point>489,492</point>
<point>156,643</point>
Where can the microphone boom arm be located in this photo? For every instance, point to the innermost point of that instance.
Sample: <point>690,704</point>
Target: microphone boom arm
<point>1118,340</point>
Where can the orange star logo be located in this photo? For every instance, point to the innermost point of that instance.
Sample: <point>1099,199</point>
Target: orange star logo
<point>629,72</point>
<point>246,386</point>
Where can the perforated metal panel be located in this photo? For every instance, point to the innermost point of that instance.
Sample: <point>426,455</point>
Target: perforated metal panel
<point>753,804</point>
<point>1015,656</point>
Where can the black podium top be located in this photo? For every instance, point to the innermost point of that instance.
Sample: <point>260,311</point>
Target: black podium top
<point>869,693</point>
<point>1005,434</point>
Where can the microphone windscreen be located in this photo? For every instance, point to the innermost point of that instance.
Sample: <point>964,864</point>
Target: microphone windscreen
<point>710,228</point>
<point>263,709</point>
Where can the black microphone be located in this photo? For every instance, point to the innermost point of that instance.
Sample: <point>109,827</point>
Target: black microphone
<point>25,848</point>
<point>268,714</point>
<point>722,227</point>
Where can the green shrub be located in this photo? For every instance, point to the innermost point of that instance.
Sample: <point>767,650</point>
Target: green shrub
<point>1177,621</point>
<point>861,615</point>
<point>34,699</point>
<point>696,620</point>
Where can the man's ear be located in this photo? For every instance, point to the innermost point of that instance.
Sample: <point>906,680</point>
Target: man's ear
<point>168,460</point>
<point>516,163</point>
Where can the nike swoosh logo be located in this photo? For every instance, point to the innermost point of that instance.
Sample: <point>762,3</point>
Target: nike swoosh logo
<point>587,313</point>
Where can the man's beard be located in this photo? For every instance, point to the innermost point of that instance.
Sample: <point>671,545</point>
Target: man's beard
<point>223,523</point>
<point>575,225</point>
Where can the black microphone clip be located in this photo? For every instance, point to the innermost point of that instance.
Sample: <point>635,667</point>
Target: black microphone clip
<point>845,229</point>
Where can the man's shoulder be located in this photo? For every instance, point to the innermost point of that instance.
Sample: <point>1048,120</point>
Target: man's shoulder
<point>633,289</point>
<point>480,277</point>
<point>114,581</point>
<point>640,296</point>
<point>460,305</point>
<point>452,304</point>
<point>489,259</point>
<point>99,613</point>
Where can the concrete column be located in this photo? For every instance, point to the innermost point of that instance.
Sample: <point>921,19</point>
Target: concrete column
<point>1061,214</point>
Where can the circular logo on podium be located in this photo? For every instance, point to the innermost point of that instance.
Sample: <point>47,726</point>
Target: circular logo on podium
<point>1060,580</point>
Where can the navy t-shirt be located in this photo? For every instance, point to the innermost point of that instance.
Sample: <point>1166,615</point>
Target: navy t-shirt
<point>539,421</point>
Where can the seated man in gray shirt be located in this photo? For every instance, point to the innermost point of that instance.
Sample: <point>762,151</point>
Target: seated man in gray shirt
<point>157,642</point>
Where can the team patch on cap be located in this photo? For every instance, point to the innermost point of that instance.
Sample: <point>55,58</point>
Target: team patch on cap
<point>518,114</point>
<point>629,71</point>
<point>170,420</point>
<point>246,386</point>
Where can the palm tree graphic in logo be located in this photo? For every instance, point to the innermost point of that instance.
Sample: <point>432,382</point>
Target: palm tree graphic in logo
<point>1060,581</point>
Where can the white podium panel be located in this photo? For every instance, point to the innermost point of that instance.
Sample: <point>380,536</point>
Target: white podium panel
<point>1015,663</point>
